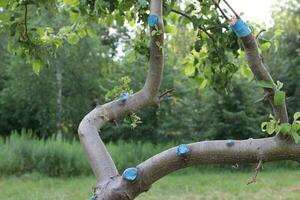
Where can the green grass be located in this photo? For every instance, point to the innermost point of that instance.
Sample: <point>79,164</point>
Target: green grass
<point>207,185</point>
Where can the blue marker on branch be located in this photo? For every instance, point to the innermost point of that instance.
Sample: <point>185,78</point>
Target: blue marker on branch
<point>153,20</point>
<point>130,174</point>
<point>123,97</point>
<point>229,143</point>
<point>183,150</point>
<point>240,28</point>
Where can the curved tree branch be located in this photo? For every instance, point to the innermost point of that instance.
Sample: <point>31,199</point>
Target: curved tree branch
<point>98,156</point>
<point>261,73</point>
<point>218,152</point>
<point>206,152</point>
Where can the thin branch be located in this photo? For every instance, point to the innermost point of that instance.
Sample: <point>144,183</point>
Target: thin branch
<point>260,32</point>
<point>191,19</point>
<point>166,93</point>
<point>257,169</point>
<point>182,14</point>
<point>229,6</point>
<point>265,97</point>
<point>220,9</point>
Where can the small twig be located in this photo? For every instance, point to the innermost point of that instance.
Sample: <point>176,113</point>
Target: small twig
<point>166,93</point>
<point>262,99</point>
<point>259,166</point>
<point>229,6</point>
<point>220,9</point>
<point>260,32</point>
<point>182,14</point>
<point>191,19</point>
<point>205,31</point>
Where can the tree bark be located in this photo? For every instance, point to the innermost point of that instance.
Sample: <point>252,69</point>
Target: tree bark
<point>261,73</point>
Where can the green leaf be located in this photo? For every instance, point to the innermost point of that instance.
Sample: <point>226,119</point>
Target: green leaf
<point>73,38</point>
<point>296,137</point>
<point>170,29</point>
<point>296,116</point>
<point>278,32</point>
<point>263,126</point>
<point>279,98</point>
<point>3,3</point>
<point>36,66</point>
<point>120,20</point>
<point>246,71</point>
<point>74,17</point>
<point>201,82</point>
<point>270,128</point>
<point>189,70</point>
<point>285,128</point>
<point>72,3</point>
<point>278,129</point>
<point>265,46</point>
<point>91,32</point>
<point>81,32</point>
<point>265,84</point>
<point>296,126</point>
<point>279,85</point>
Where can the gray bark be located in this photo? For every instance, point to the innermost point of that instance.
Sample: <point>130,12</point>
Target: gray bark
<point>261,73</point>
<point>112,186</point>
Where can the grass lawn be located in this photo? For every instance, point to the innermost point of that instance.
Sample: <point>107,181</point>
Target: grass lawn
<point>207,185</point>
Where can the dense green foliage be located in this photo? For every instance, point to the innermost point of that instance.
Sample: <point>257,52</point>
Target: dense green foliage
<point>58,157</point>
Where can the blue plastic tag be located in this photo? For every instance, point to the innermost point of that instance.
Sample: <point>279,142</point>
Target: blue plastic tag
<point>183,150</point>
<point>153,20</point>
<point>130,174</point>
<point>241,29</point>
<point>124,96</point>
<point>229,142</point>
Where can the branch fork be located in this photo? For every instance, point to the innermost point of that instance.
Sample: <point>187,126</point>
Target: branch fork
<point>113,186</point>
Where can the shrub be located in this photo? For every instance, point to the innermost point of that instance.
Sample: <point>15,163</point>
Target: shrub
<point>22,153</point>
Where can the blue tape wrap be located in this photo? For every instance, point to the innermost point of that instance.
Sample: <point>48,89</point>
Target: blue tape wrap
<point>124,96</point>
<point>153,20</point>
<point>130,174</point>
<point>229,142</point>
<point>183,150</point>
<point>241,29</point>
